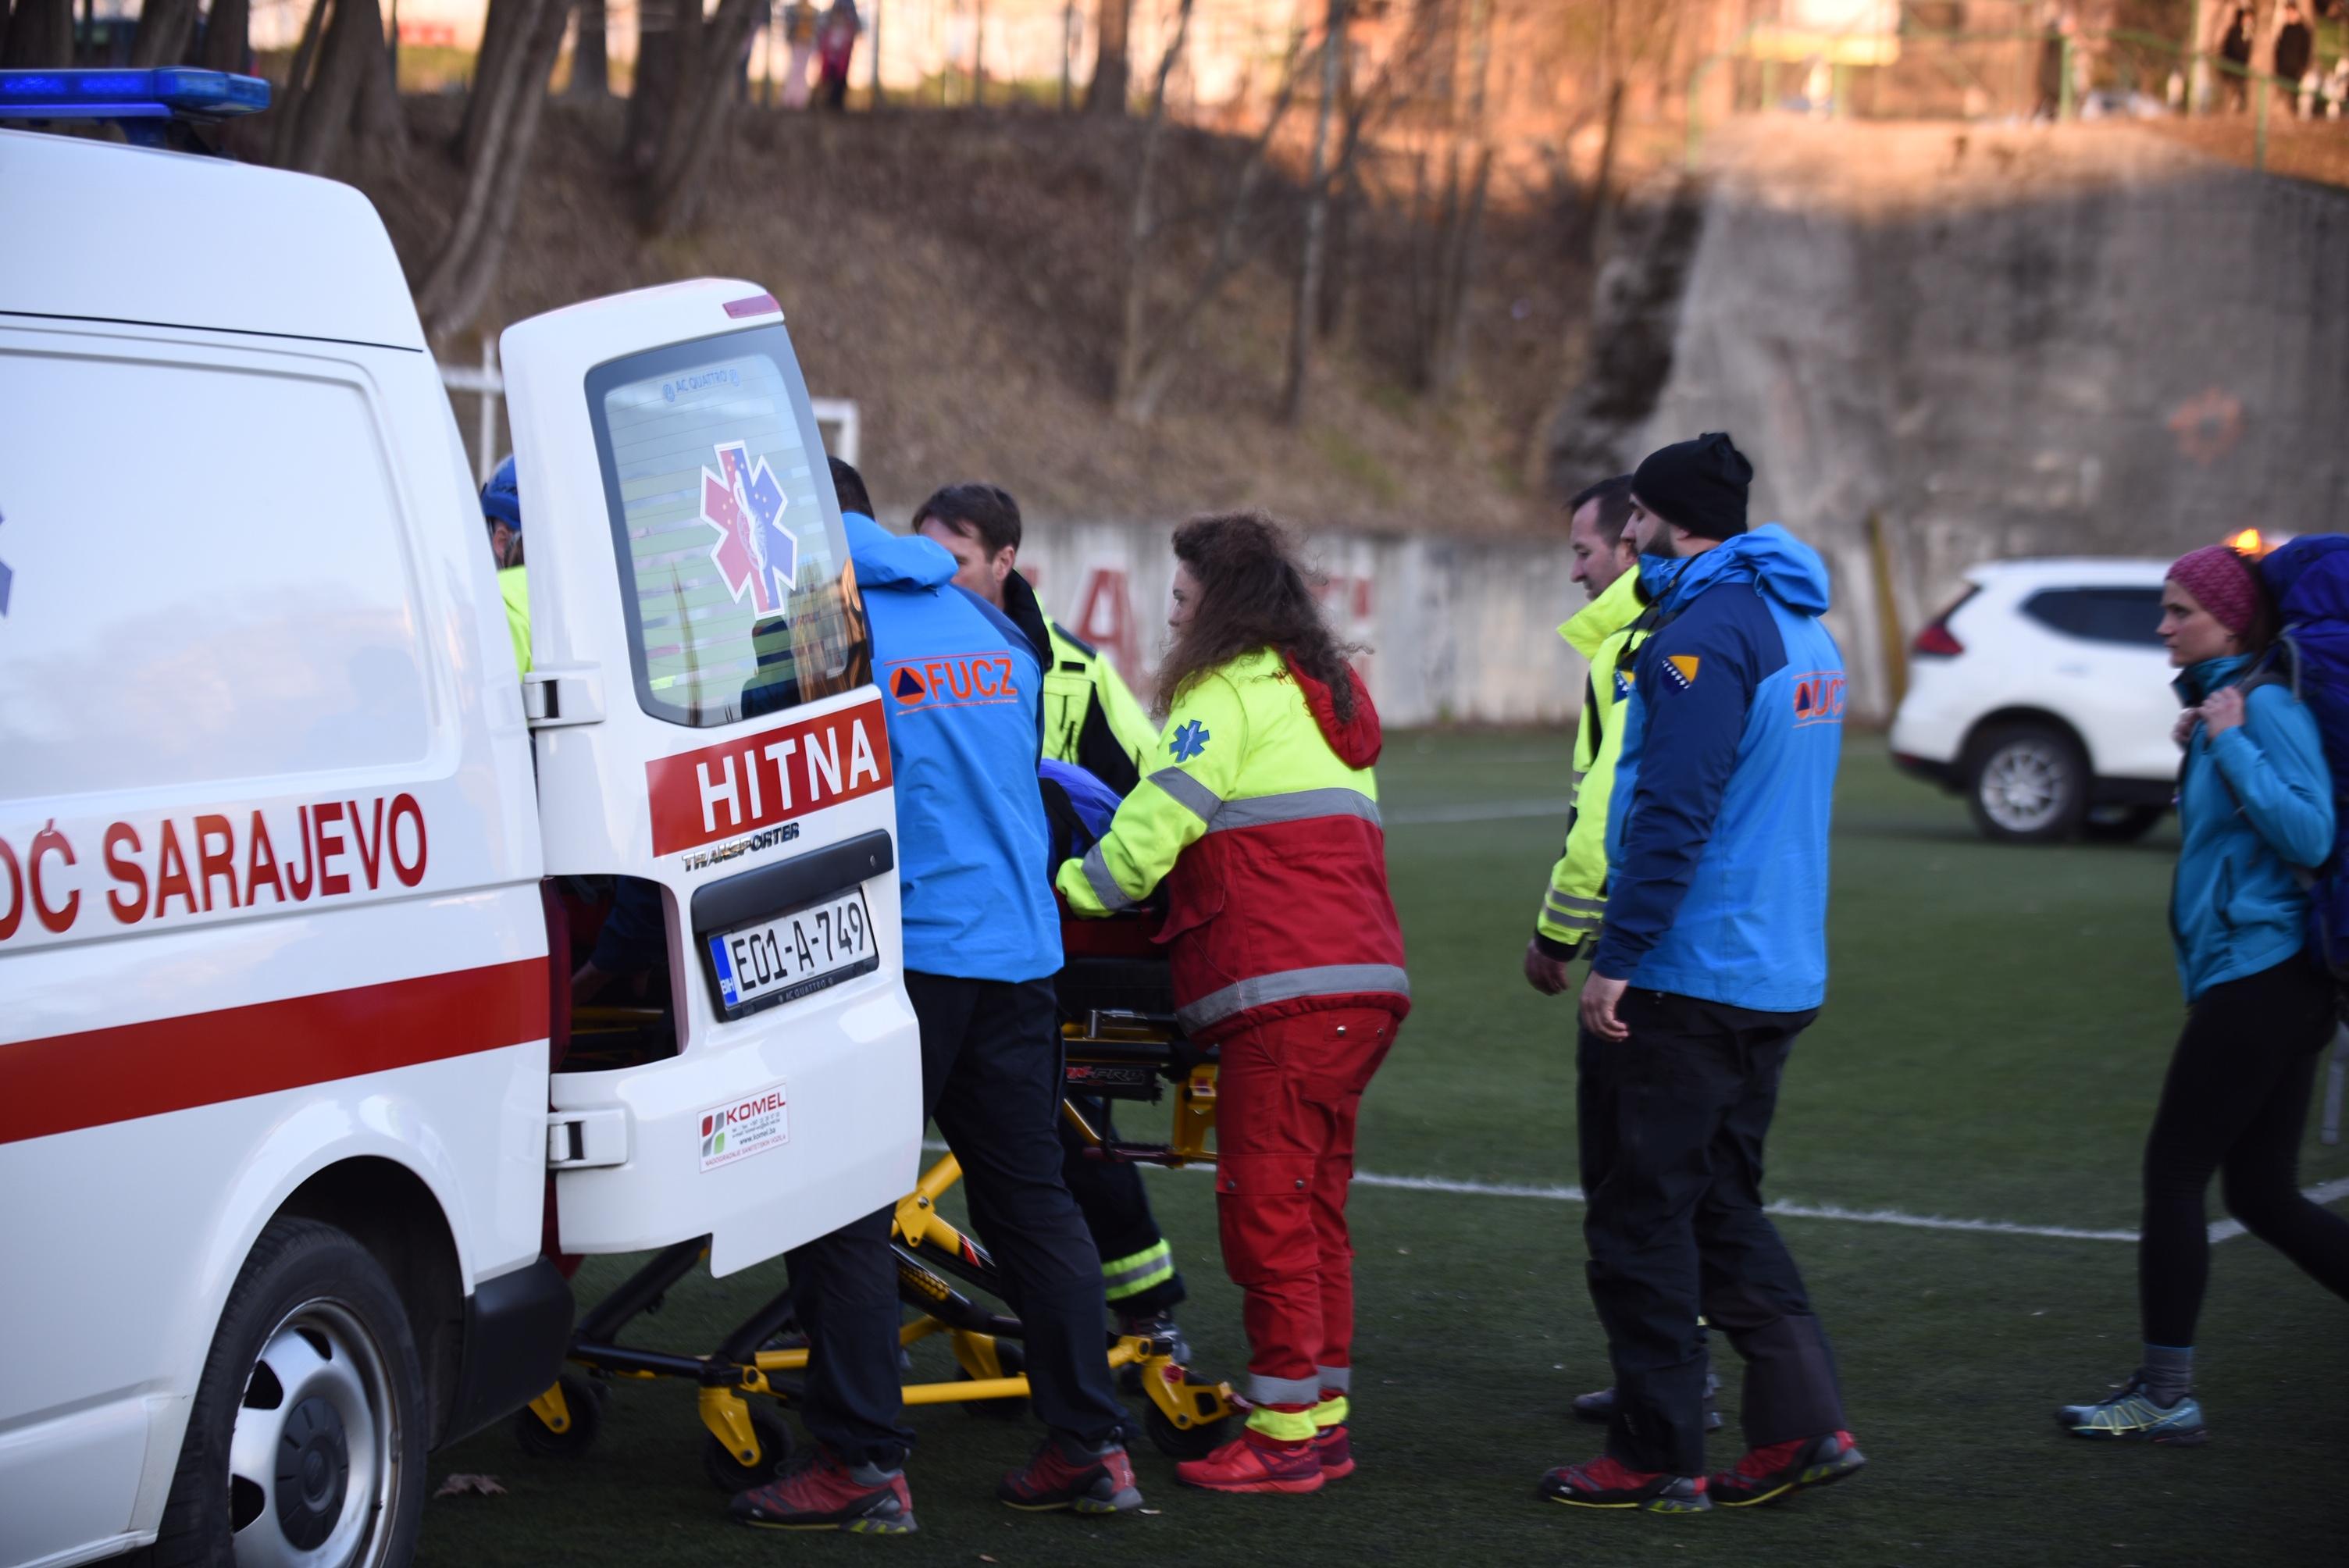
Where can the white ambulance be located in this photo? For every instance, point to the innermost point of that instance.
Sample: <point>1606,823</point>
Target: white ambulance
<point>280,975</point>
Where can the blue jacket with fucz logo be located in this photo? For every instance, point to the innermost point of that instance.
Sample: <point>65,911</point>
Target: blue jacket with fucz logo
<point>964,696</point>
<point>1717,831</point>
<point>2254,802</point>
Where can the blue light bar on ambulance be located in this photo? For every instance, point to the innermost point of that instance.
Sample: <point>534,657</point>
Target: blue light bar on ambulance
<point>168,92</point>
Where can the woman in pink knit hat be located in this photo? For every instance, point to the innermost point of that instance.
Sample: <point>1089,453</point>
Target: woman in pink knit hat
<point>2255,810</point>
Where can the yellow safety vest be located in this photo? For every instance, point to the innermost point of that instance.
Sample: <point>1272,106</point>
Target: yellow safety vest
<point>513,587</point>
<point>1080,684</point>
<point>1604,632</point>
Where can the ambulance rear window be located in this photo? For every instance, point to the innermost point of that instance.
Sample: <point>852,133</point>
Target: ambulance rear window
<point>734,570</point>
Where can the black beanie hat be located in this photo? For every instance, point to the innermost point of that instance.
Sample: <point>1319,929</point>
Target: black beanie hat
<point>1698,484</point>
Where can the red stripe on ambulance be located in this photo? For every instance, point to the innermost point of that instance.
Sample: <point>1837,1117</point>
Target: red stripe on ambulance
<point>63,1083</point>
<point>761,779</point>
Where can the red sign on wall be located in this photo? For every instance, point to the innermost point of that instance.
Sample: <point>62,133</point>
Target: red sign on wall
<point>761,779</point>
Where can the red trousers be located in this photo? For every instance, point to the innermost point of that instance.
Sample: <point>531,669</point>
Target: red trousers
<point>1287,1095</point>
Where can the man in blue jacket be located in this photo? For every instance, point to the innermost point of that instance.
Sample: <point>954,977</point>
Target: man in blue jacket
<point>1712,960</point>
<point>963,691</point>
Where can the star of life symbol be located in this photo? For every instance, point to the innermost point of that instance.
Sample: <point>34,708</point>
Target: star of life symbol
<point>1188,741</point>
<point>755,554</point>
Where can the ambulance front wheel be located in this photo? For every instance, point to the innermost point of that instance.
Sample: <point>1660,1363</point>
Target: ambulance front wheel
<point>305,1440</point>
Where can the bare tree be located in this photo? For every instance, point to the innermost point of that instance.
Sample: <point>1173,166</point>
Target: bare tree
<point>228,35</point>
<point>1112,79</point>
<point>349,90</point>
<point>1317,219</point>
<point>708,56</point>
<point>591,57</point>
<point>505,28</point>
<point>164,28</point>
<point>467,266</point>
<point>40,35</point>
<point>655,86</point>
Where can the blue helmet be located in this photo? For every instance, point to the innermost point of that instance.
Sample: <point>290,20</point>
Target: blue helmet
<point>501,499</point>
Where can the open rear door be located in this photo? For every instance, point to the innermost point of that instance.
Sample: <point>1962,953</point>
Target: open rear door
<point>705,721</point>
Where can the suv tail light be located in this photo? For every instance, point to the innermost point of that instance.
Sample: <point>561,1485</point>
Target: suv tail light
<point>1937,641</point>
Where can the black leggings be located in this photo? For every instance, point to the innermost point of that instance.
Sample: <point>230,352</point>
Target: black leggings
<point>2236,1101</point>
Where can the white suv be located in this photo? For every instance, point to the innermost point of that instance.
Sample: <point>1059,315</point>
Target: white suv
<point>2043,695</point>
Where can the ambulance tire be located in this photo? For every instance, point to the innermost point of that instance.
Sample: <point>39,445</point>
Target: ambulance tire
<point>310,1305</point>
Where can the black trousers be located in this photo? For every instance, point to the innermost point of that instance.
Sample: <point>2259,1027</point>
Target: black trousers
<point>845,1291</point>
<point>2236,1102</point>
<point>1116,1210</point>
<point>991,1081</point>
<point>1674,1120</point>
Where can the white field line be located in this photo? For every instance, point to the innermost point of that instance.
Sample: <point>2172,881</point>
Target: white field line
<point>2224,1230</point>
<point>1481,812</point>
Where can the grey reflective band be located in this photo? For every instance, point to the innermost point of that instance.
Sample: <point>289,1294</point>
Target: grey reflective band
<point>1263,1390</point>
<point>1104,885</point>
<point>1188,791</point>
<point>1290,984</point>
<point>1335,1379</point>
<point>1558,903</point>
<point>1296,806</point>
<point>1574,781</point>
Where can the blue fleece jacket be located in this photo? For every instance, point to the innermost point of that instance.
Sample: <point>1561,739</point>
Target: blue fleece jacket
<point>2254,802</point>
<point>1717,831</point>
<point>964,697</point>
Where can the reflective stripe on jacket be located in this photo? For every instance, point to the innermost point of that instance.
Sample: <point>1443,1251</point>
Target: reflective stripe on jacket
<point>1261,816</point>
<point>1090,718</point>
<point>1606,631</point>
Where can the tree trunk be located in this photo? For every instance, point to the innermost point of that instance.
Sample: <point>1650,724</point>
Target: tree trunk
<point>505,34</point>
<point>1112,82</point>
<point>1131,331</point>
<point>164,28</point>
<point>673,191</point>
<point>40,36</point>
<point>286,134</point>
<point>228,34</point>
<point>352,43</point>
<point>468,265</point>
<point>656,84</point>
<point>382,128</point>
<point>591,56</point>
<point>1316,221</point>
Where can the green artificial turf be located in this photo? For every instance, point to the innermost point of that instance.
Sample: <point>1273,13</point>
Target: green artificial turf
<point>1992,1044</point>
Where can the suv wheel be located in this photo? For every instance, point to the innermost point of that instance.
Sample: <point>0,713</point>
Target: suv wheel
<point>306,1442</point>
<point>2027,784</point>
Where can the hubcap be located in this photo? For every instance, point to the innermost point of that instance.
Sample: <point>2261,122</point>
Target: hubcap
<point>313,1460</point>
<point>2022,785</point>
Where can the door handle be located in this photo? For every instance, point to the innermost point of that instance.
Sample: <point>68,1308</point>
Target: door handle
<point>580,1139</point>
<point>558,695</point>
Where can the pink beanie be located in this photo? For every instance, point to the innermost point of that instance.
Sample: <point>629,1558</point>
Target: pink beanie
<point>2220,581</point>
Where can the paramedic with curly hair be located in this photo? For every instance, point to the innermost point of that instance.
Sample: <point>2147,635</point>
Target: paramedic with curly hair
<point>1260,816</point>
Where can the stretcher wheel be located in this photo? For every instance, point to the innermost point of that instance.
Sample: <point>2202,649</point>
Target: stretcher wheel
<point>1193,1442</point>
<point>730,1475</point>
<point>584,1400</point>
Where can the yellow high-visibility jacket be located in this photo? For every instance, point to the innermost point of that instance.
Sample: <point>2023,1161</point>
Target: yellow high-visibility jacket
<point>513,587</point>
<point>1604,632</point>
<point>1090,716</point>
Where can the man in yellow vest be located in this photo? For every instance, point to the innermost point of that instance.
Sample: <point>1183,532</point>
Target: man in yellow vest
<point>1090,719</point>
<point>501,511</point>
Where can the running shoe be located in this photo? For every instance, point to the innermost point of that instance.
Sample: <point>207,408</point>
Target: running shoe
<point>1248,1464</point>
<point>821,1493</point>
<point>2132,1417</point>
<point>1781,1470</point>
<point>1083,1478</point>
<point>1331,1447</point>
<point>1604,1483</point>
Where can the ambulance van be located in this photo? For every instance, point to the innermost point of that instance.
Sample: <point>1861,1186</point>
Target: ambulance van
<point>290,854</point>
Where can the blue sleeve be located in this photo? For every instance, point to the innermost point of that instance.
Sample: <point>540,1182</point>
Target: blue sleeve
<point>1694,685</point>
<point>2274,763</point>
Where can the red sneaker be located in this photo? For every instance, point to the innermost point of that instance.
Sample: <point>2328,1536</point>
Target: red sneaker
<point>1766,1474</point>
<point>1065,1474</point>
<point>1335,1454</point>
<point>821,1493</point>
<point>1249,1463</point>
<point>1604,1483</point>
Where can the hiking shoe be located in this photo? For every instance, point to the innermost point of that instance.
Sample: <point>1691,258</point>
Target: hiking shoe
<point>1335,1452</point>
<point>1600,1408</point>
<point>1083,1478</point>
<point>2132,1417</point>
<point>1248,1464</point>
<point>1766,1474</point>
<point>1604,1483</point>
<point>821,1493</point>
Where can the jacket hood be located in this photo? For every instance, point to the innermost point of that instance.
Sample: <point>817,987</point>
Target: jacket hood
<point>901,560</point>
<point>1356,743</point>
<point>1604,616</point>
<point>1769,557</point>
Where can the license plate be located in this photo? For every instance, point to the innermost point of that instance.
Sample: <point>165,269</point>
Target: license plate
<point>795,953</point>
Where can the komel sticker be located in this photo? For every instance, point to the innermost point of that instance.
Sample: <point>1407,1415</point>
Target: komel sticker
<point>755,554</point>
<point>1189,741</point>
<point>742,1128</point>
<point>1683,669</point>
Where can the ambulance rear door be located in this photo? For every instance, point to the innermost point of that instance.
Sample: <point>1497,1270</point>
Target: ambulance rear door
<point>705,721</point>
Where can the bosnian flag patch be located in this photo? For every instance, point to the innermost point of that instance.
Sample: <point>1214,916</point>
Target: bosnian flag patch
<point>1680,669</point>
